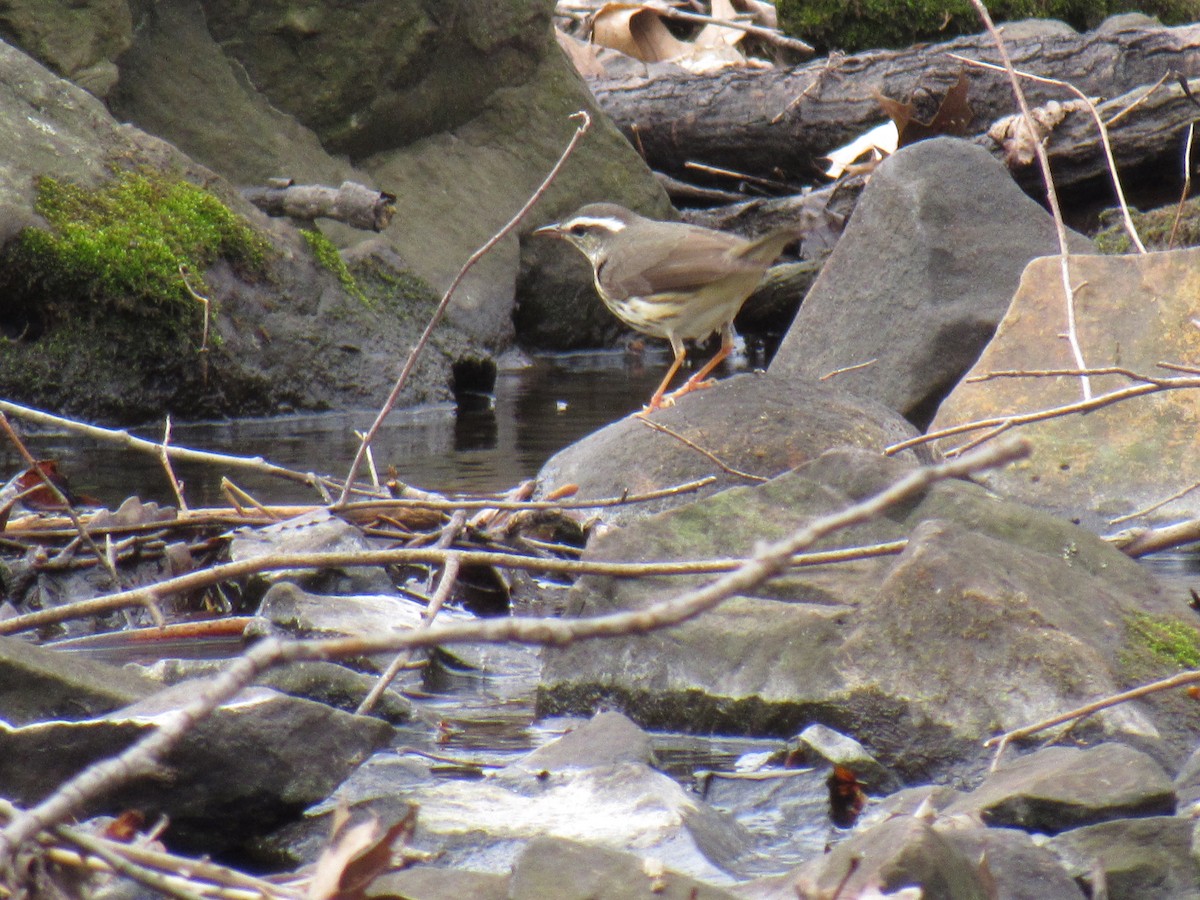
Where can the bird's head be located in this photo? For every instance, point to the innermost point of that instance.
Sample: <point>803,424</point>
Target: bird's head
<point>592,228</point>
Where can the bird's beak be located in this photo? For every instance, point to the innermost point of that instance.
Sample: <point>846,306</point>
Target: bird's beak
<point>553,230</point>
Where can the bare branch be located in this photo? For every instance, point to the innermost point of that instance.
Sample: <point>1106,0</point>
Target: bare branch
<point>585,122</point>
<point>1051,194</point>
<point>143,756</point>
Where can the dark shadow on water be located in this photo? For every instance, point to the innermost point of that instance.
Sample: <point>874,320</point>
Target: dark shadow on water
<point>491,443</point>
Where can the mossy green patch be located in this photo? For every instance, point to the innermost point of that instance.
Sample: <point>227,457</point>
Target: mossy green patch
<point>1170,227</point>
<point>868,24</point>
<point>98,294</point>
<point>122,245</point>
<point>324,251</point>
<point>1171,641</point>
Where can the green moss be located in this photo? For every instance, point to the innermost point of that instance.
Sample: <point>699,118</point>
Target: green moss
<point>98,295</point>
<point>1169,227</point>
<point>867,24</point>
<point>324,251</point>
<point>121,246</point>
<point>1169,640</point>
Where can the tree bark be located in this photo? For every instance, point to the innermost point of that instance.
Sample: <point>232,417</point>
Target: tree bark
<point>778,123</point>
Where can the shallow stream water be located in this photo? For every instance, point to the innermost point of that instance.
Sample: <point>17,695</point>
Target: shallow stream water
<point>491,443</point>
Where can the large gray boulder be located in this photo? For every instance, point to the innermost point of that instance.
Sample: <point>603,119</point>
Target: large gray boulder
<point>756,426</point>
<point>96,218</point>
<point>458,110</point>
<point>994,616</point>
<point>921,277</point>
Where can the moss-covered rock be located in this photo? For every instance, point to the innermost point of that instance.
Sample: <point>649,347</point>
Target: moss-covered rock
<point>1166,228</point>
<point>868,24</point>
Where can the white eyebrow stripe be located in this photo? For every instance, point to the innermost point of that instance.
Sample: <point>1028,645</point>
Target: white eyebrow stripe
<point>605,222</point>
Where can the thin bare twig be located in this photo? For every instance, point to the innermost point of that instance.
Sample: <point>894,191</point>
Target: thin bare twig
<point>707,454</point>
<point>1051,194</point>
<point>844,369</point>
<point>585,122</point>
<point>1151,386</point>
<point>1087,709</point>
<point>68,507</point>
<point>203,578</point>
<point>165,458</point>
<point>1187,183</point>
<point>445,585</point>
<point>180,454</point>
<point>143,757</point>
<point>1158,504</point>
<point>1101,126</point>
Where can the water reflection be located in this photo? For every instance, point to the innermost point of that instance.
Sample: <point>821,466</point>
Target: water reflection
<point>491,443</point>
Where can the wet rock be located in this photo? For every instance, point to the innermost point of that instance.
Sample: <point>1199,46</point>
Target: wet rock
<point>821,742</point>
<point>304,614</point>
<point>259,760</point>
<point>317,531</point>
<point>921,277</point>
<point>994,616</point>
<point>583,791</point>
<point>753,423</point>
<point>898,853</point>
<point>428,883</point>
<point>1187,786</point>
<point>1010,860</point>
<point>1139,859</point>
<point>1059,788</point>
<point>1134,311</point>
<point>324,682</point>
<point>569,870</point>
<point>38,684</point>
<point>607,739</point>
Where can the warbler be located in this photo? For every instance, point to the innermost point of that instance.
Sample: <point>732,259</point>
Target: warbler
<point>670,279</point>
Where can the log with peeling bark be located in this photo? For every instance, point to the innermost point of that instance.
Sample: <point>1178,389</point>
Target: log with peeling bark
<point>780,122</point>
<point>354,204</point>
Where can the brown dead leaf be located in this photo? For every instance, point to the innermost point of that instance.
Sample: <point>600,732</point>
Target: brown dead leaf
<point>1019,141</point>
<point>584,56</point>
<point>356,855</point>
<point>637,30</point>
<point>953,115</point>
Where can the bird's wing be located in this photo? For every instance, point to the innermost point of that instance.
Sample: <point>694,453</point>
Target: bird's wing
<point>695,258</point>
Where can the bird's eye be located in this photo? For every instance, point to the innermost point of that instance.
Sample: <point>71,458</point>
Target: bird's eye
<point>578,230</point>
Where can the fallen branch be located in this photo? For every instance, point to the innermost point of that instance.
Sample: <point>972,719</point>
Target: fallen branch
<point>204,578</point>
<point>352,204</point>
<point>1165,684</point>
<point>585,122</point>
<point>144,756</point>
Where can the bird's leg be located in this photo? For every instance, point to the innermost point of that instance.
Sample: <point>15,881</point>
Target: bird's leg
<point>658,400</point>
<point>697,381</point>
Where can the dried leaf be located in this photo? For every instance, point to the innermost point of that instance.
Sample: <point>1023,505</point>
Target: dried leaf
<point>356,855</point>
<point>636,30</point>
<point>879,142</point>
<point>714,36</point>
<point>584,56</point>
<point>953,115</point>
<point>1019,142</point>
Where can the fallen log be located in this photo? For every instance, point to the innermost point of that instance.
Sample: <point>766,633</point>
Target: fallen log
<point>353,204</point>
<point>779,123</point>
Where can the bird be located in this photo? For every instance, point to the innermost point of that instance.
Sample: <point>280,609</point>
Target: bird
<point>670,280</point>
